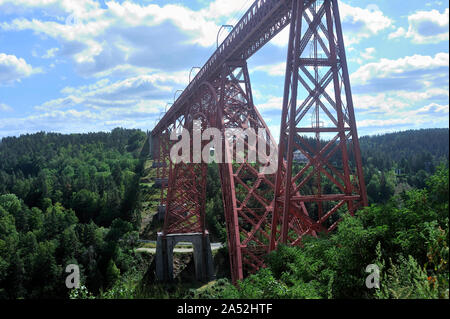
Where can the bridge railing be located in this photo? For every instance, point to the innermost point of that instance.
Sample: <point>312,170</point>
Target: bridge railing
<point>262,21</point>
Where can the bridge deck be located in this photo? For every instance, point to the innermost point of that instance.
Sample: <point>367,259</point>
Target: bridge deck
<point>262,21</point>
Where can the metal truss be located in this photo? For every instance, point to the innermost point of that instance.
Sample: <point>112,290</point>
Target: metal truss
<point>317,105</point>
<point>247,193</point>
<point>303,197</point>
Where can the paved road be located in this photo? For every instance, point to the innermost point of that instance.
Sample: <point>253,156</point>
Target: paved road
<point>214,246</point>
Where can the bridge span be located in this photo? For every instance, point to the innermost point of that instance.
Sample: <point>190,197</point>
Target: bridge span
<point>264,209</point>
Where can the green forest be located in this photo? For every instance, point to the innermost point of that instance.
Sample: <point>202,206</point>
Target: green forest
<point>85,199</point>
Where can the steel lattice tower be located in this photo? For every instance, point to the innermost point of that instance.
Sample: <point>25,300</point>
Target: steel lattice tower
<point>317,103</point>
<point>319,176</point>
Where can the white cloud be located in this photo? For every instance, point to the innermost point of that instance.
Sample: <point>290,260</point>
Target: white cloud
<point>384,122</point>
<point>220,8</point>
<point>397,90</point>
<point>435,3</point>
<point>73,120</point>
<point>385,68</point>
<point>368,53</point>
<point>362,22</point>
<point>400,32</point>
<point>282,38</point>
<point>124,95</point>
<point>137,86</point>
<point>272,103</point>
<point>118,38</point>
<point>50,53</point>
<point>13,69</point>
<point>357,23</point>
<point>425,27</point>
<point>432,114</point>
<point>381,102</point>
<point>277,69</point>
<point>424,95</point>
<point>5,108</point>
<point>107,39</point>
<point>433,108</point>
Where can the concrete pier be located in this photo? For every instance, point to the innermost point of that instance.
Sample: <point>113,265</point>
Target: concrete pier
<point>204,268</point>
<point>161,212</point>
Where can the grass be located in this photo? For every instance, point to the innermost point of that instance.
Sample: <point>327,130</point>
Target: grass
<point>153,245</point>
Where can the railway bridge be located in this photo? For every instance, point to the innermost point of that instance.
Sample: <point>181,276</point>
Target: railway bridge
<point>263,208</point>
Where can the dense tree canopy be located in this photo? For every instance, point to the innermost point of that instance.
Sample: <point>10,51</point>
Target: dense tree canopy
<point>76,199</point>
<point>64,202</point>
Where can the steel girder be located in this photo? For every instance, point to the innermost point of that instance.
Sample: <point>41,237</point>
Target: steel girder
<point>161,157</point>
<point>185,210</point>
<point>247,193</point>
<point>317,103</point>
<point>262,21</point>
<point>264,210</point>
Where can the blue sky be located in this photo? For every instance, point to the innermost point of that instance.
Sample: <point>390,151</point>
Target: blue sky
<point>82,66</point>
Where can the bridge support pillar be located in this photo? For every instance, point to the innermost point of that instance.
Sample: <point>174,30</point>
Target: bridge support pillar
<point>204,268</point>
<point>161,212</point>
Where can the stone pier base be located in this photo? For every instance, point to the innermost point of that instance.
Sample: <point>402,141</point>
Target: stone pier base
<point>204,268</point>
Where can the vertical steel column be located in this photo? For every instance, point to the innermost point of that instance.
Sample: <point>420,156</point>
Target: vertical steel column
<point>185,212</point>
<point>322,189</point>
<point>247,193</point>
<point>351,112</point>
<point>228,187</point>
<point>262,211</point>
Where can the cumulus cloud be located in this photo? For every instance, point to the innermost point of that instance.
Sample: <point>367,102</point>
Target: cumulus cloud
<point>272,103</point>
<point>75,119</point>
<point>368,53</point>
<point>379,103</point>
<point>100,39</point>
<point>124,95</point>
<point>360,23</point>
<point>385,122</point>
<point>13,69</point>
<point>67,121</point>
<point>409,91</point>
<point>50,53</point>
<point>425,27</point>
<point>5,108</point>
<point>134,52</point>
<point>429,115</point>
<point>133,102</point>
<point>434,109</point>
<point>415,72</point>
<point>277,69</point>
<point>357,23</point>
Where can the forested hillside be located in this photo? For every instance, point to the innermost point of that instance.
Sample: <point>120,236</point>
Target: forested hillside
<point>76,199</point>
<point>404,231</point>
<point>400,161</point>
<point>407,238</point>
<point>410,151</point>
<point>67,199</point>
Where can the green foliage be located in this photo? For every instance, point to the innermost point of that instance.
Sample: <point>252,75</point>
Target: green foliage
<point>76,185</point>
<point>405,158</point>
<point>263,285</point>
<point>412,224</point>
<point>112,272</point>
<point>75,199</point>
<point>80,293</point>
<point>219,289</point>
<point>406,280</point>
